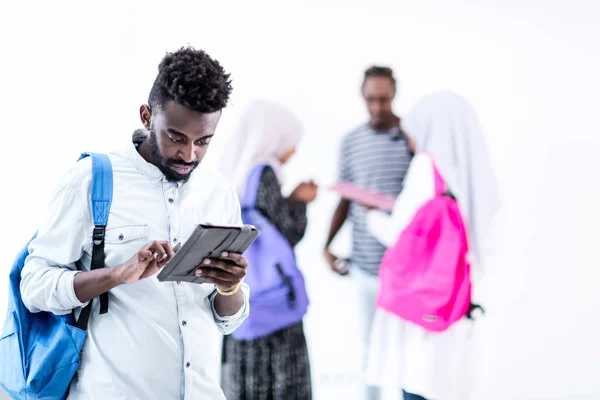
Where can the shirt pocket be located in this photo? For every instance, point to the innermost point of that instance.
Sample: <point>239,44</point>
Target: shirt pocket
<point>126,234</point>
<point>122,242</point>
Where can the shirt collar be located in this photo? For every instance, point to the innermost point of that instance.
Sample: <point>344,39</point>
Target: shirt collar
<point>149,170</point>
<point>392,131</point>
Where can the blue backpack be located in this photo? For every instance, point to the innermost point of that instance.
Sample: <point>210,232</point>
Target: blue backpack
<point>39,352</point>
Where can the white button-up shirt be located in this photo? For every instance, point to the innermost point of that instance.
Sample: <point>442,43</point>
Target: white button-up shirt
<point>158,340</point>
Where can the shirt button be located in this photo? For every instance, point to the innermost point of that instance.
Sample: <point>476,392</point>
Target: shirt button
<point>174,240</point>
<point>171,200</point>
<point>187,365</point>
<point>184,323</point>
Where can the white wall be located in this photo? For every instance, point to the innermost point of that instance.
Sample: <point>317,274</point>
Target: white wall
<point>73,76</point>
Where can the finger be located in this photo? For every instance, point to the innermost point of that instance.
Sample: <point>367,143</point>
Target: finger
<point>226,266</point>
<point>151,247</point>
<point>157,245</point>
<point>163,252</point>
<point>170,251</point>
<point>167,255</point>
<point>236,258</point>
<point>159,251</point>
<point>144,256</point>
<point>163,262</point>
<point>214,273</point>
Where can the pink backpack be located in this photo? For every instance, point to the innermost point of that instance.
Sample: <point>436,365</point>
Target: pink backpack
<point>425,276</point>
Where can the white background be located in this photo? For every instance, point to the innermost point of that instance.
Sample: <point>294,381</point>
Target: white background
<point>73,75</point>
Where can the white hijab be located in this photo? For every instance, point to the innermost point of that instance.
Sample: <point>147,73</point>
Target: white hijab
<point>264,133</point>
<point>445,125</point>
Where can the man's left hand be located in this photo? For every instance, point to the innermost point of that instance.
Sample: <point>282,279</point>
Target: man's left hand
<point>226,273</point>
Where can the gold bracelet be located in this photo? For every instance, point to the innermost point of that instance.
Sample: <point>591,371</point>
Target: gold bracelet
<point>231,292</point>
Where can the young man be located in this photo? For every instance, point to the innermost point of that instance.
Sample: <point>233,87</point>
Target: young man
<point>157,340</point>
<point>374,156</point>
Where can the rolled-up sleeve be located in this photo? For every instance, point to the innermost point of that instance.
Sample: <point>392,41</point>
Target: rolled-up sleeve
<point>228,324</point>
<point>419,187</point>
<point>380,226</point>
<point>49,270</point>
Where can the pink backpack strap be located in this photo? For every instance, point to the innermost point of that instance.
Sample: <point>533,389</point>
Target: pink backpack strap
<point>440,184</point>
<point>440,189</point>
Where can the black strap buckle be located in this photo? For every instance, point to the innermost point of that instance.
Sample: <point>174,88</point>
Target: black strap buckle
<point>449,194</point>
<point>287,281</point>
<point>97,262</point>
<point>98,235</point>
<point>472,308</point>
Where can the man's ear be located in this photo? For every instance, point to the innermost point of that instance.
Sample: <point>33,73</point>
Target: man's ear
<point>145,116</point>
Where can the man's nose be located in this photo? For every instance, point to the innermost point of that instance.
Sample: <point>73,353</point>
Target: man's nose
<point>188,153</point>
<point>376,107</point>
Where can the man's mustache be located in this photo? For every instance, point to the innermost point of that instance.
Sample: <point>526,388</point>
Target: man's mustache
<point>181,162</point>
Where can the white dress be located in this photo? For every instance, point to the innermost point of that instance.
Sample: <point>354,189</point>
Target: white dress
<point>404,355</point>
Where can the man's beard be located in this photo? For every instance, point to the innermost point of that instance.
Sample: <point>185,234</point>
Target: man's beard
<point>164,165</point>
<point>382,121</point>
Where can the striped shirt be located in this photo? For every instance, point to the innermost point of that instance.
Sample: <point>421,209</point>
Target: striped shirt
<point>377,161</point>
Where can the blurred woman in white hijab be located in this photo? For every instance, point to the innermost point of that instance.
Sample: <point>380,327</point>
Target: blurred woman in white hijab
<point>269,360</point>
<point>424,364</point>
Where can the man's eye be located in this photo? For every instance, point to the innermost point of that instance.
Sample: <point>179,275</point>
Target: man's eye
<point>175,139</point>
<point>203,142</point>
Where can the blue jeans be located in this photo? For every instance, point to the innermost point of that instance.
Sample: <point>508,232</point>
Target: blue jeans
<point>410,396</point>
<point>367,286</point>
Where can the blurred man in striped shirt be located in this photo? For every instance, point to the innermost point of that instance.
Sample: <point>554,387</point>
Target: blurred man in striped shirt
<point>374,156</point>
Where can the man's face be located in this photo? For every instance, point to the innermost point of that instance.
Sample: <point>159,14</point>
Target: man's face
<point>378,93</point>
<point>179,138</point>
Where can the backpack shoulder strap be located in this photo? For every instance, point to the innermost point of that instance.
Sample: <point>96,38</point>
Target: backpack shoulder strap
<point>440,184</point>
<point>102,187</point>
<point>441,189</point>
<point>101,193</point>
<point>248,199</point>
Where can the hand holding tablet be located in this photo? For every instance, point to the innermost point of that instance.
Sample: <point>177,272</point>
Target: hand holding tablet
<point>211,254</point>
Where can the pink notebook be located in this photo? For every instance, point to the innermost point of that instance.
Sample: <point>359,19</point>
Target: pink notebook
<point>365,197</point>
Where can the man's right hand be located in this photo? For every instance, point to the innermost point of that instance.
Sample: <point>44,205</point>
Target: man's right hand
<point>333,262</point>
<point>146,262</point>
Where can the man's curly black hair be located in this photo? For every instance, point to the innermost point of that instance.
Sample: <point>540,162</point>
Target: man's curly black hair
<point>191,78</point>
